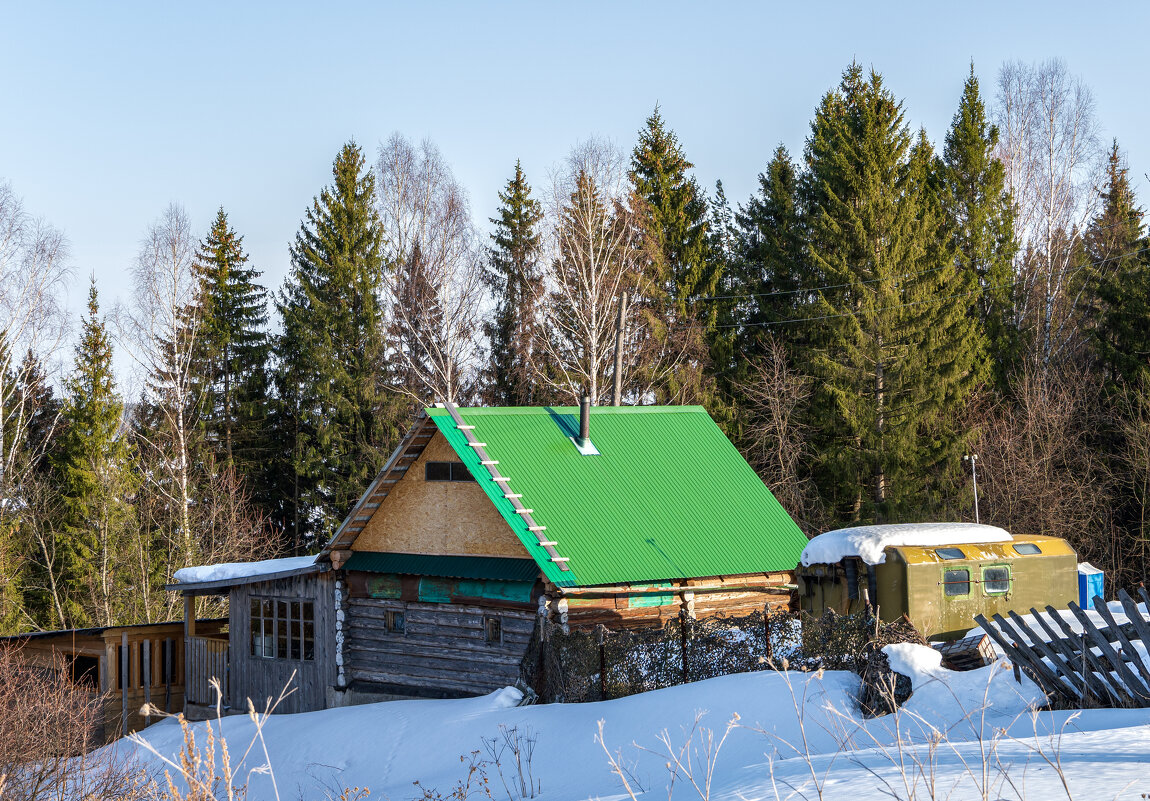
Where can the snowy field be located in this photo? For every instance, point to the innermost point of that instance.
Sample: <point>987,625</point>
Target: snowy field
<point>963,736</point>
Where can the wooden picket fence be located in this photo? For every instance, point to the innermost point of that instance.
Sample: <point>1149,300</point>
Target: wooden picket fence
<point>1097,667</point>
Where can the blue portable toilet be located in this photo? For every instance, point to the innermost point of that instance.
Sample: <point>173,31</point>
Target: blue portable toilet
<point>1089,585</point>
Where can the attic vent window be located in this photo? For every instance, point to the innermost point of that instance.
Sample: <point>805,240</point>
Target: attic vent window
<point>949,553</point>
<point>1027,548</point>
<point>447,471</point>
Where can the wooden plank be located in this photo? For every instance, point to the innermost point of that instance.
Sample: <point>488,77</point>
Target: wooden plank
<point>146,657</point>
<point>1091,687</point>
<point>1074,691</point>
<point>1138,693</point>
<point>1132,653</point>
<point>1114,692</point>
<point>1140,624</point>
<point>126,676</point>
<point>1035,667</point>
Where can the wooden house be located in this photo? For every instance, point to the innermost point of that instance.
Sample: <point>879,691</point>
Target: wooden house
<point>126,666</point>
<point>940,575</point>
<point>482,522</point>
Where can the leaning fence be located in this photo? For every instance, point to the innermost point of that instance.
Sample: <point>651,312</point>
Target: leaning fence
<point>1089,665</point>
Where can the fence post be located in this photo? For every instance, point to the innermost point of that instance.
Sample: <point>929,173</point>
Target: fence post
<point>767,635</point>
<point>683,645</point>
<point>601,638</point>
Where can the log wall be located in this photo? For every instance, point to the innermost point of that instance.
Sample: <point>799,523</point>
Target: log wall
<point>442,652</point>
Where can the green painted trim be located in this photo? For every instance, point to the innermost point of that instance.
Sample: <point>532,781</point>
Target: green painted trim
<point>1009,579</point>
<point>969,581</point>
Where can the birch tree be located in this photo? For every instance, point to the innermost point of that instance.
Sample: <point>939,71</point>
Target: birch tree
<point>1049,146</point>
<point>594,246</point>
<point>435,286</point>
<point>33,276</point>
<point>159,330</point>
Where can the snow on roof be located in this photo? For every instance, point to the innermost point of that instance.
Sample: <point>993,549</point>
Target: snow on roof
<point>869,542</point>
<point>238,570</point>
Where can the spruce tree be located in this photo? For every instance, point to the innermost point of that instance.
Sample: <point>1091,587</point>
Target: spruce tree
<point>673,216</point>
<point>231,356</point>
<point>771,247</point>
<point>980,222</point>
<point>96,479</point>
<point>891,343</point>
<point>1121,272</point>
<point>334,415</point>
<point>514,275</point>
<point>679,274</point>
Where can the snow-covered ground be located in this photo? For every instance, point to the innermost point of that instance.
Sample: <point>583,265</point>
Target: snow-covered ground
<point>797,736</point>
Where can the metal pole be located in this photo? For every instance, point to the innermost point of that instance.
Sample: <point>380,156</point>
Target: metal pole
<point>617,395</point>
<point>973,459</point>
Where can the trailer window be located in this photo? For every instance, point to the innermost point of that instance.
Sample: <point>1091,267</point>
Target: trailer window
<point>949,553</point>
<point>1026,548</point>
<point>996,580</point>
<point>956,582</point>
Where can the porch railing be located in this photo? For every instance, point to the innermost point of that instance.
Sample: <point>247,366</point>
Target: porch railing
<point>206,658</point>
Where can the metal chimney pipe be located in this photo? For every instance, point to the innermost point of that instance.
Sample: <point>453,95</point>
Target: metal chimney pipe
<point>584,419</point>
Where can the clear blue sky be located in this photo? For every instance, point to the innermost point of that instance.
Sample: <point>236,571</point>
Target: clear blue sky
<point>109,111</point>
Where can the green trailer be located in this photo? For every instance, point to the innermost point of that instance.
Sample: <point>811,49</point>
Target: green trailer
<point>939,585</point>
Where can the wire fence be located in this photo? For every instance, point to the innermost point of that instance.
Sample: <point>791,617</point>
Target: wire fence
<point>597,664</point>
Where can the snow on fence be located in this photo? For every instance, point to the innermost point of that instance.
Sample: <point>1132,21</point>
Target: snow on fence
<point>1102,661</point>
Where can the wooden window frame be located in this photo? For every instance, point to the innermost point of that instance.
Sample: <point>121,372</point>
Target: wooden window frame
<point>391,616</point>
<point>488,621</point>
<point>290,627</point>
<point>457,473</point>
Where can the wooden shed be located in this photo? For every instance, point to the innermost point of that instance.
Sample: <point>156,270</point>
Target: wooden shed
<point>128,666</point>
<point>485,521</point>
<point>940,575</point>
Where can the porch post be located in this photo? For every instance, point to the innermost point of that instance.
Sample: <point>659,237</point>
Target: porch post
<point>189,632</point>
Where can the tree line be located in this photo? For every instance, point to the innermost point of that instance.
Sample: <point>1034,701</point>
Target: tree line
<point>878,309</point>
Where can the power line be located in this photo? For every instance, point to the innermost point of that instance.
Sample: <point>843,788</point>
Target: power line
<point>785,292</point>
<point>978,291</point>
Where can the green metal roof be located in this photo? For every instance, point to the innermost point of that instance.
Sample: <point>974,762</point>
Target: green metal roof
<point>462,567</point>
<point>667,497</point>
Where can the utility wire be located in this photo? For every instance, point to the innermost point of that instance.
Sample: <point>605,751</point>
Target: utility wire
<point>978,291</point>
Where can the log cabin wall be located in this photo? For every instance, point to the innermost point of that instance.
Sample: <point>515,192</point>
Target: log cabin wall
<point>443,650</point>
<point>437,517</point>
<point>260,677</point>
<point>747,594</point>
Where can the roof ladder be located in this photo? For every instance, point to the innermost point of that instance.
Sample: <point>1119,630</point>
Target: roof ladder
<point>523,512</point>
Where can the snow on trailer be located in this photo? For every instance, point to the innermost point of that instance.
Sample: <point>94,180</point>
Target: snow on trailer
<point>939,575</point>
<point>869,543</point>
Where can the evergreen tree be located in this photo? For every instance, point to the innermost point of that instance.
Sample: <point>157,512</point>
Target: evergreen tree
<point>231,355</point>
<point>514,275</point>
<point>891,343</point>
<point>980,222</point>
<point>673,216</point>
<point>1121,272</point>
<point>771,248</point>
<point>95,475</point>
<point>334,414</point>
<point>679,274</point>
